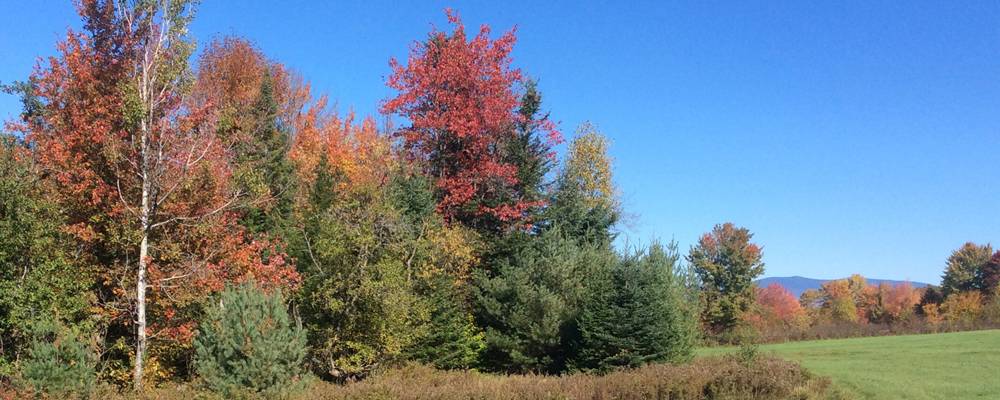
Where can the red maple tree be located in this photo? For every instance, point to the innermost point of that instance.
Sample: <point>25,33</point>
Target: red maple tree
<point>459,95</point>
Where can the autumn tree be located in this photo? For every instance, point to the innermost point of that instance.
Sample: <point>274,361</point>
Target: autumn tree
<point>989,276</point>
<point>964,268</point>
<point>726,263</point>
<point>442,258</point>
<point>776,309</point>
<point>845,300</point>
<point>459,96</point>
<point>893,303</point>
<point>145,183</point>
<point>383,276</point>
<point>246,88</point>
<point>962,307</point>
<point>585,201</point>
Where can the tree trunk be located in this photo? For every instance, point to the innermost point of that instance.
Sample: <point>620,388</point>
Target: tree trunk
<point>144,219</point>
<point>140,288</point>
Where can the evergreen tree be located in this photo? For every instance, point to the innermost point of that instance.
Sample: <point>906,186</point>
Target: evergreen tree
<point>529,305</point>
<point>637,312</point>
<point>58,362</point>
<point>585,204</point>
<point>528,150</point>
<point>264,168</point>
<point>248,344</point>
<point>451,339</point>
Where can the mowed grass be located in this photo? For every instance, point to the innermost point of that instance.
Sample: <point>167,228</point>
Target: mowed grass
<point>962,365</point>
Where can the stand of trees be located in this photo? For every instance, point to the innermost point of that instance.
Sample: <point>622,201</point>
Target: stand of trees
<point>218,223</point>
<point>162,221</point>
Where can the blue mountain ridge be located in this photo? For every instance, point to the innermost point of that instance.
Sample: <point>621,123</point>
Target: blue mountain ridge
<point>799,284</point>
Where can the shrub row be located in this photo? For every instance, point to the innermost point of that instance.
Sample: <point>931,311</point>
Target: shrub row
<point>709,378</point>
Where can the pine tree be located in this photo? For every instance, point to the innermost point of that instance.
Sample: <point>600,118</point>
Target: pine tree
<point>59,363</point>
<point>247,343</point>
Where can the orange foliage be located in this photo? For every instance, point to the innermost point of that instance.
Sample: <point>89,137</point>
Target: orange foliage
<point>358,152</point>
<point>899,301</point>
<point>962,307</point>
<point>87,141</point>
<point>776,309</point>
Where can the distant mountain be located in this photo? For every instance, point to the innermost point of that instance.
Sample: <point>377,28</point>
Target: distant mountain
<point>798,284</point>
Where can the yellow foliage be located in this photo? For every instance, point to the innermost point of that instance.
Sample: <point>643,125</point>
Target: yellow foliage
<point>452,251</point>
<point>963,307</point>
<point>589,166</point>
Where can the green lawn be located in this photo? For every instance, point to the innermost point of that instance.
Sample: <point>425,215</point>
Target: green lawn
<point>964,365</point>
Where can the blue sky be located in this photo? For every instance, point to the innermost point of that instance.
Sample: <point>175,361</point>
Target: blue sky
<point>852,136</point>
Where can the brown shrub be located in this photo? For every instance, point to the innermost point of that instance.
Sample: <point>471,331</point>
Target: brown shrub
<point>712,378</point>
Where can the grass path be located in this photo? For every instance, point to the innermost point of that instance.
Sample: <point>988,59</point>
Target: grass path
<point>962,365</point>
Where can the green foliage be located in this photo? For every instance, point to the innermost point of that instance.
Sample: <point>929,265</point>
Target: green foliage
<point>584,204</point>
<point>357,298</point>
<point>450,340</point>
<point>964,270</point>
<point>58,362</point>
<point>528,151</point>
<point>529,305</point>
<point>263,167</point>
<point>727,264</point>
<point>637,312</point>
<point>38,279</point>
<point>247,344</point>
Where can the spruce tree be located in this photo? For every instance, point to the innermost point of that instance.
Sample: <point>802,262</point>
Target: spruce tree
<point>264,168</point>
<point>637,312</point>
<point>451,339</point>
<point>529,305</point>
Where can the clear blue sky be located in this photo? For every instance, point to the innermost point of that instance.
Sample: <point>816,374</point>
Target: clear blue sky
<point>848,136</point>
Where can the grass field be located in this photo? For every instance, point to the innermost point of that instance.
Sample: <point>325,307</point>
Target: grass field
<point>963,365</point>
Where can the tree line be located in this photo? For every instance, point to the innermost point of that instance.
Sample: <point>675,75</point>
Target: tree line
<point>967,298</point>
<point>218,221</point>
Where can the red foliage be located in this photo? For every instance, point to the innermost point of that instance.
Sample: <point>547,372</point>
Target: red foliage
<point>458,94</point>
<point>991,276</point>
<point>779,302</point>
<point>899,301</point>
<point>87,141</point>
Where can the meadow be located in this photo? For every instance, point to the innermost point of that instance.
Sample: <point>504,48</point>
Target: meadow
<point>960,365</point>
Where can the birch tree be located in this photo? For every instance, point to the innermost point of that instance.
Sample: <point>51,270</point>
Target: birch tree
<point>145,181</point>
